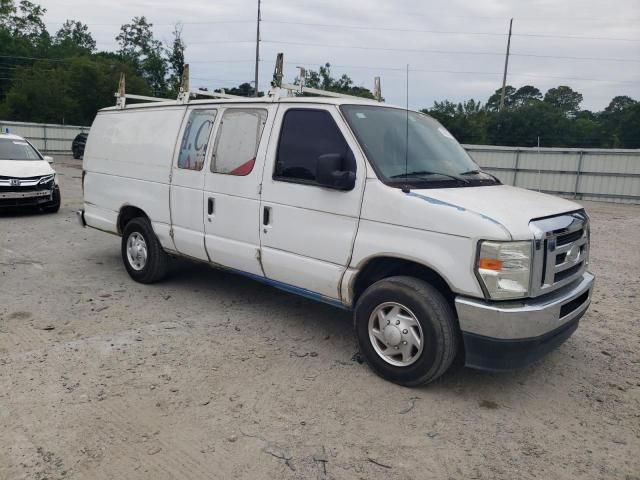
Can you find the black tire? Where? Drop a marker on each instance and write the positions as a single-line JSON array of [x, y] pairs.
[[76, 153], [54, 206], [437, 321], [157, 262]]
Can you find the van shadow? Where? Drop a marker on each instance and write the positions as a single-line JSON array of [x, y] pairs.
[[293, 312], [315, 321]]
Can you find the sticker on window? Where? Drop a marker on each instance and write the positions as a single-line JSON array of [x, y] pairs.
[[445, 133], [360, 115], [195, 139]]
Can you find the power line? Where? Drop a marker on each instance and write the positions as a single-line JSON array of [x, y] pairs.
[[367, 67], [153, 24], [449, 52], [382, 28], [445, 32], [459, 72]]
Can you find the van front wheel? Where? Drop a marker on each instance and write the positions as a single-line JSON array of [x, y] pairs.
[[406, 330], [142, 254]]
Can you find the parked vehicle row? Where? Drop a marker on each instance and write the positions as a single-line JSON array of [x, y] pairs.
[[357, 204], [78, 144]]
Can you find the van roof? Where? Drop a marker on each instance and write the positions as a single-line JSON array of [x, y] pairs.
[[259, 100]]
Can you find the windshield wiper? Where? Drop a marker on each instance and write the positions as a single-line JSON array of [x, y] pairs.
[[477, 172], [422, 173]]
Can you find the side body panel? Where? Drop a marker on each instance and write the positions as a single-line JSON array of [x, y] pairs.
[[232, 229], [308, 238], [186, 199], [127, 162]]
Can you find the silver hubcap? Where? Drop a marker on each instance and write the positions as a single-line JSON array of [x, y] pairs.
[[396, 334], [136, 251]]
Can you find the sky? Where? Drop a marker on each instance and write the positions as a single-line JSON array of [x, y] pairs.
[[455, 49]]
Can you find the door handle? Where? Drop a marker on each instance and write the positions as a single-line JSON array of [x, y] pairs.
[[266, 216], [210, 205]]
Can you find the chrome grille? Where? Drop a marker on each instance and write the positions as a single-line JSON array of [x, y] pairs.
[[16, 184], [561, 251]]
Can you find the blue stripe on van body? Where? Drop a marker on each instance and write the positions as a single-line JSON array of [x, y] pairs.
[[303, 292]]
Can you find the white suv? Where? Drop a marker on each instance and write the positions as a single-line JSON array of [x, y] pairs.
[[26, 177], [364, 206]]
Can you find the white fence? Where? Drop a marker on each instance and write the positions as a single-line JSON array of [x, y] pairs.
[[584, 174], [588, 174], [45, 137]]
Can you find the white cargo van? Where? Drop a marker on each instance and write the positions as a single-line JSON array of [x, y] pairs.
[[364, 206]]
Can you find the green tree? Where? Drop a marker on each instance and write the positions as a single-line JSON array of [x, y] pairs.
[[526, 95], [616, 123], [619, 103], [175, 56], [74, 36], [564, 99], [523, 126], [73, 91], [24, 21], [138, 46], [630, 134], [493, 104], [466, 120], [323, 80], [242, 90]]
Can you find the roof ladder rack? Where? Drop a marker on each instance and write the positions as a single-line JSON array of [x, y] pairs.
[[300, 87], [186, 93], [121, 95]]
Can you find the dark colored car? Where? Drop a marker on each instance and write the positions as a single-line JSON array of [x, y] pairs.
[[77, 146]]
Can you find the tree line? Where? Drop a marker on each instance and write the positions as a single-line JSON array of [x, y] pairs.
[[62, 77]]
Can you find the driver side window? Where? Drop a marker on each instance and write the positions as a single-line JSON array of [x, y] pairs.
[[306, 138]]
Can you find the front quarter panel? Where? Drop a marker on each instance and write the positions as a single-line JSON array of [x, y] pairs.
[[415, 227]]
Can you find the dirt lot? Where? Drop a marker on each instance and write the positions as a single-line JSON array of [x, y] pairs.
[[210, 375]]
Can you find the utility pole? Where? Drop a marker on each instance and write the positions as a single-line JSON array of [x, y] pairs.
[[255, 93], [506, 65]]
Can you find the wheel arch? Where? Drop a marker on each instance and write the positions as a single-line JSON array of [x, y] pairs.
[[128, 213], [380, 267]]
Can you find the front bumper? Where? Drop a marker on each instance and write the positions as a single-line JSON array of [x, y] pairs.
[[26, 198], [80, 217], [509, 335]]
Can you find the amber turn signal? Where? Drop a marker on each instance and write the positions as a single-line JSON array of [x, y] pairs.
[[490, 264]]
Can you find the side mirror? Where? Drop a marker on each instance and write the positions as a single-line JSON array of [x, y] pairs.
[[48, 158], [331, 173]]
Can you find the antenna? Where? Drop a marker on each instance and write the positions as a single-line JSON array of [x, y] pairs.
[[405, 187]]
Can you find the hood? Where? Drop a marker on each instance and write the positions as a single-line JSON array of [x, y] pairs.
[[511, 207], [25, 168]]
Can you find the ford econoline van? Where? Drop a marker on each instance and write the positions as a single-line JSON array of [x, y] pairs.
[[367, 207]]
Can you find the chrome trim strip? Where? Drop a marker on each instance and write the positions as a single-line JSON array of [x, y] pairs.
[[29, 194], [546, 233]]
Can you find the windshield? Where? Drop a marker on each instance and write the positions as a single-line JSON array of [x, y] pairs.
[[16, 149], [432, 156]]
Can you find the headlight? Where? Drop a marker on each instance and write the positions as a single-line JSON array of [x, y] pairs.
[[504, 268], [46, 179]]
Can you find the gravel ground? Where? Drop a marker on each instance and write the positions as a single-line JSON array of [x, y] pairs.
[[211, 375]]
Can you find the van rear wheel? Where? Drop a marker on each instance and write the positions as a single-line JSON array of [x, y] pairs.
[[406, 330], [142, 254]]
